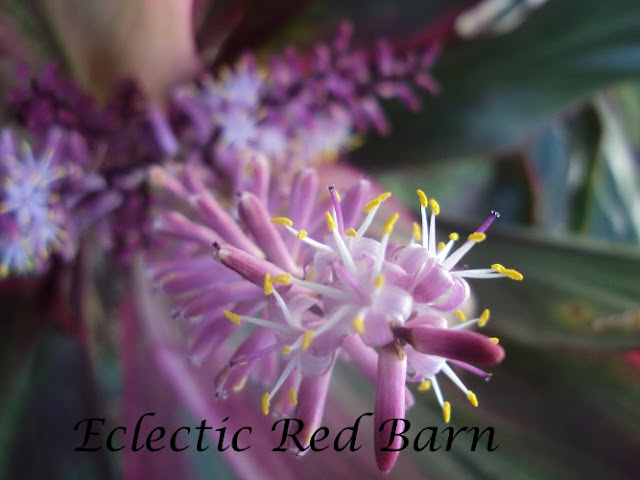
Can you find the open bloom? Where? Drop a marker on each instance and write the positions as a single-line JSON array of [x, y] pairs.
[[316, 285]]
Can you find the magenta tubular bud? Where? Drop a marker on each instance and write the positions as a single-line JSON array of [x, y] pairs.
[[461, 345], [390, 404], [258, 221], [312, 396]]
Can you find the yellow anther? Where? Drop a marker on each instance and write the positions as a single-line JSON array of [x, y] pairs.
[[266, 403], [282, 221], [417, 232], [293, 398], [286, 349], [477, 237], [440, 246], [302, 234], [331, 224], [484, 318], [376, 201], [446, 411], [351, 232], [460, 314], [358, 324], [472, 398], [310, 274], [335, 190], [454, 236], [513, 274], [306, 340], [4, 271], [268, 284], [424, 386], [234, 317], [240, 385], [284, 279], [495, 339], [498, 268], [423, 198], [379, 281], [435, 206], [388, 226], [371, 205]]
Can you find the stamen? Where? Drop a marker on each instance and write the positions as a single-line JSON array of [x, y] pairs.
[[379, 281], [495, 339], [477, 237], [460, 314], [234, 317], [484, 318], [417, 234], [388, 226], [337, 210], [302, 234], [286, 349], [424, 385], [293, 398], [306, 340], [435, 210], [472, 398], [423, 198], [268, 285], [331, 224], [358, 325], [284, 279], [446, 412], [282, 221], [454, 236], [266, 403], [351, 233], [440, 246]]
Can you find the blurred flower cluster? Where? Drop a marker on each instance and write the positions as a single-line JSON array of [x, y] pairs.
[[194, 211]]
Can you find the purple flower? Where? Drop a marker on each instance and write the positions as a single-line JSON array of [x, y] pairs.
[[317, 285]]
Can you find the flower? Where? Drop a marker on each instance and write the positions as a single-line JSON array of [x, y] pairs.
[[316, 286]]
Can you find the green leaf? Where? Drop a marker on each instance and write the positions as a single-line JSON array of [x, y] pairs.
[[496, 91]]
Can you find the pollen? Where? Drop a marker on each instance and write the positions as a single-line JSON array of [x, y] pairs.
[[513, 274], [282, 221], [435, 206], [351, 233], [293, 398], [424, 386], [495, 339], [302, 234], [388, 226], [286, 349], [234, 317], [440, 246], [472, 398], [417, 233], [446, 411], [376, 201], [306, 340], [379, 281], [460, 314], [358, 324], [240, 385], [484, 318], [423, 198], [498, 268], [268, 284], [284, 279], [331, 224], [454, 236], [265, 403], [477, 237]]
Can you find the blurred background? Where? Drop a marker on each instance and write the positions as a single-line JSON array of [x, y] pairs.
[[537, 116]]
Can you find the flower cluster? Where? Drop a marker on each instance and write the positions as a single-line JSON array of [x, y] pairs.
[[315, 284], [300, 109]]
